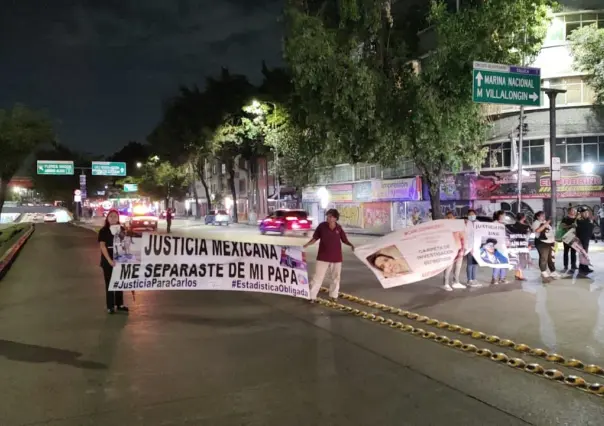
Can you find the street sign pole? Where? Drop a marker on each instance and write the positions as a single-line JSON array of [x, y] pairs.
[[552, 94], [520, 148]]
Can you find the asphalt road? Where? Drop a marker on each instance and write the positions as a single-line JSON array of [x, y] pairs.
[[210, 358]]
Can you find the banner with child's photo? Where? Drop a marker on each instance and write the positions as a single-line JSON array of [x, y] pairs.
[[414, 254], [489, 247]]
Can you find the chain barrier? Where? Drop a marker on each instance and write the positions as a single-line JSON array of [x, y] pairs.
[[522, 348], [498, 357]]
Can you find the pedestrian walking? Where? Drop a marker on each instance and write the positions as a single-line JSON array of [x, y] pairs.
[[111, 231], [471, 264], [544, 242], [499, 274], [567, 223], [329, 258], [457, 263], [169, 219]]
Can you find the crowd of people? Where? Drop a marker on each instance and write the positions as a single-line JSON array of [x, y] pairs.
[[574, 232]]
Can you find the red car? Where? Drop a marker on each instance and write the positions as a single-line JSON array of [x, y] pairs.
[[286, 221]]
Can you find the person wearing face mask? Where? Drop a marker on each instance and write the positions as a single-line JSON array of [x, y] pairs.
[[109, 233], [471, 264]]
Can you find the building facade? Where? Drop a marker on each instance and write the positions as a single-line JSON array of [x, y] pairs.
[[372, 198]]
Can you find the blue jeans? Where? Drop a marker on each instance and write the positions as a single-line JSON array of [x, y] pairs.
[[499, 274], [471, 267]]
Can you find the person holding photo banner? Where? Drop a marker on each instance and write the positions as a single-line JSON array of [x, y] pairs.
[[329, 258], [471, 264], [109, 233], [518, 247], [457, 263], [499, 274], [545, 240]]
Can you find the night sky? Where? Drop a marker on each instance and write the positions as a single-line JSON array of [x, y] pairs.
[[102, 67]]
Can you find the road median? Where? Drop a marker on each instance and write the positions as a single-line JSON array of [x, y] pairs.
[[12, 239]]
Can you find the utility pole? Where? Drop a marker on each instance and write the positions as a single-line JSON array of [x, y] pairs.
[[552, 94], [520, 148]]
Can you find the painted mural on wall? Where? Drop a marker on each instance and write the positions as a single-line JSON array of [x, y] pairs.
[[376, 216], [350, 215], [340, 193], [362, 191], [499, 186], [573, 184], [397, 189]]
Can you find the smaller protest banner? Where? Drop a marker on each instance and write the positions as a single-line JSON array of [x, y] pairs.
[[489, 246], [518, 245], [414, 254], [171, 262]]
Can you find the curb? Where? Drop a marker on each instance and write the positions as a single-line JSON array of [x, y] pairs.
[[9, 257]]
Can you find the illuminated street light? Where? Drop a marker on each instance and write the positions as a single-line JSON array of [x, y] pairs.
[[323, 195], [587, 167], [139, 165]]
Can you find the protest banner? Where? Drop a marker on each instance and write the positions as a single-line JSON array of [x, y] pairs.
[[489, 246], [518, 245], [170, 262], [414, 254]]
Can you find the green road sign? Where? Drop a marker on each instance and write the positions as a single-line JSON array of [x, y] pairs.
[[130, 187], [108, 168], [60, 168], [506, 84]]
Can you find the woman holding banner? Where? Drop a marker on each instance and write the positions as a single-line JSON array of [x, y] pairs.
[[457, 263], [471, 264], [518, 249], [544, 242], [108, 234], [499, 274]]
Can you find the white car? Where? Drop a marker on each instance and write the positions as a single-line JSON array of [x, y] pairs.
[[217, 217], [50, 217]]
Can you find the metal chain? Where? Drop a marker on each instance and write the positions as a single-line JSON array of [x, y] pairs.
[[500, 357]]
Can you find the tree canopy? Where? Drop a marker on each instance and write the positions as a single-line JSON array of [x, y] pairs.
[[22, 130], [374, 96], [587, 44]]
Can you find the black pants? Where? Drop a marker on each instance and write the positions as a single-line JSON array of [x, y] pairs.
[[585, 244], [169, 223], [112, 298], [546, 262], [568, 250]]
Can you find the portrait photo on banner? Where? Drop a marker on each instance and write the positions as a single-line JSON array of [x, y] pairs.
[[415, 253], [490, 245]]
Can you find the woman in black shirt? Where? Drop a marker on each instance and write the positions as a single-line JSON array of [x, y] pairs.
[[106, 240]]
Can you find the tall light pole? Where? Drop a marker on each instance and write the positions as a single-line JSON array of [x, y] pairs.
[[552, 94]]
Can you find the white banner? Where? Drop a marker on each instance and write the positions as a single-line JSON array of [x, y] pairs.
[[415, 253], [170, 262], [489, 247]]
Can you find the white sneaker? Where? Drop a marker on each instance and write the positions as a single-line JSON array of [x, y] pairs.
[[555, 275], [474, 284], [458, 285], [447, 287]]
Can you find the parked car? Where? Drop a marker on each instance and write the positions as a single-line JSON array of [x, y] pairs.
[[217, 217], [286, 221], [141, 220], [50, 217]]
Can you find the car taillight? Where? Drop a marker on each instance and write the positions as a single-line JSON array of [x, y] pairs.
[[303, 221], [291, 218]]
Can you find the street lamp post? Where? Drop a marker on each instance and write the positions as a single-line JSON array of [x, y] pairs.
[[552, 94]]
